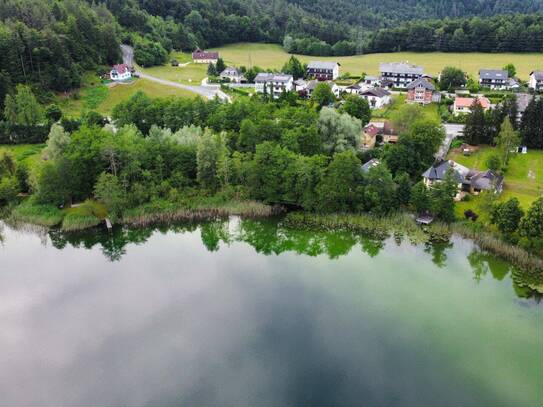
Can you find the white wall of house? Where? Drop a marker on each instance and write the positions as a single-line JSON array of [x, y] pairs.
[[115, 76], [204, 61], [376, 102]]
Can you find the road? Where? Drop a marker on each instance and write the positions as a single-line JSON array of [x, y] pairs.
[[207, 91], [451, 132]]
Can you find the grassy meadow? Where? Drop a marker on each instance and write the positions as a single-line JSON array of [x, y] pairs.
[[273, 56]]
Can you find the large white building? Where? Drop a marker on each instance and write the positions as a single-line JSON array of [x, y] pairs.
[[400, 73], [274, 83]]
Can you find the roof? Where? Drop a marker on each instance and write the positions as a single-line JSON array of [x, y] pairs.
[[377, 92], [201, 54], [374, 162], [538, 75], [468, 102], [485, 180], [231, 70], [437, 171], [523, 100], [493, 74], [401, 67], [372, 130], [121, 68], [421, 83], [371, 78], [322, 65], [273, 77], [356, 86]]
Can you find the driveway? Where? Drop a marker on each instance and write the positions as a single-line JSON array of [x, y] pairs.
[[451, 132], [207, 91]]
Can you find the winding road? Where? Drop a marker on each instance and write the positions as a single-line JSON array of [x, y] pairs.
[[207, 91]]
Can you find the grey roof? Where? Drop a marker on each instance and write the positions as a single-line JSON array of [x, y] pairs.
[[486, 180], [272, 77], [437, 171], [371, 78], [401, 67], [493, 74], [374, 162], [231, 70], [377, 92], [523, 100], [322, 65], [421, 83], [538, 75]]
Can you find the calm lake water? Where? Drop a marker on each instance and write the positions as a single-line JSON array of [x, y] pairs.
[[247, 313]]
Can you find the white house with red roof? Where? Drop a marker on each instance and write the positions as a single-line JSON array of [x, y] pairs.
[[120, 72], [464, 105]]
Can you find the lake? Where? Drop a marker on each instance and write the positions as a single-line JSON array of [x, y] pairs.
[[249, 313]]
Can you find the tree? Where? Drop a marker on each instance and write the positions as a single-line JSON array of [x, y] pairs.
[[475, 130], [420, 199], [403, 118], [451, 78], [23, 108], [403, 190], [531, 225], [442, 196], [52, 183], [507, 215], [9, 188], [211, 69], [220, 66], [338, 131], [531, 127], [493, 162], [511, 70], [380, 190], [340, 189], [53, 113], [357, 107], [110, 192], [210, 158], [57, 142], [322, 95], [294, 67], [507, 140]]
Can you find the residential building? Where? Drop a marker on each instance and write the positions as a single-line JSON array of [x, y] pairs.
[[463, 105], [233, 74], [378, 132], [496, 79], [273, 84], [523, 100], [120, 72], [536, 81], [400, 74], [376, 97], [370, 80], [423, 92], [204, 57], [353, 89], [323, 70]]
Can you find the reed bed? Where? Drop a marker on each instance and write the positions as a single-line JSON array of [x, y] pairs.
[[37, 214]]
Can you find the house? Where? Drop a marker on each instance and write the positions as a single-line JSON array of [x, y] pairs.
[[464, 105], [120, 72], [366, 167], [233, 74], [472, 181], [400, 74], [536, 81], [204, 57], [376, 97], [495, 79], [273, 83], [371, 80], [312, 84], [353, 89], [376, 132], [523, 100], [323, 71], [514, 84], [423, 92]]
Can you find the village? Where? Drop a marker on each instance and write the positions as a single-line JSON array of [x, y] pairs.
[[397, 83]]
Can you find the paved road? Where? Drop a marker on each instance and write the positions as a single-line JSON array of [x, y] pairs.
[[451, 132], [207, 91]]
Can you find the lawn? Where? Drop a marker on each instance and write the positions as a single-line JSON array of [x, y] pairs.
[[28, 153], [102, 99], [398, 101], [186, 73], [523, 178], [273, 56]]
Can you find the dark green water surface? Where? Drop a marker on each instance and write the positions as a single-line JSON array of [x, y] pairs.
[[247, 313]]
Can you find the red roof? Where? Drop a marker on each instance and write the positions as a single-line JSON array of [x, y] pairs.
[[371, 130], [468, 102], [201, 54], [121, 68]]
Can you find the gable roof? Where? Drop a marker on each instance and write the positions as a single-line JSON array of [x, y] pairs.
[[486, 180], [121, 68], [468, 102], [421, 83], [538, 75], [231, 70], [201, 54], [273, 77], [496, 74], [438, 171], [374, 162], [322, 65], [377, 92], [401, 67]]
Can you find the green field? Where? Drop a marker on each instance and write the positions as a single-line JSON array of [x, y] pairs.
[[28, 153], [101, 98], [186, 73], [523, 178], [273, 56]]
